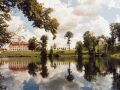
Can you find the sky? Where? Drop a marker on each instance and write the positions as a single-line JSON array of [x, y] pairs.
[[77, 16]]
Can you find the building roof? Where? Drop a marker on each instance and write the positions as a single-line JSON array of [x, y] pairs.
[[18, 43], [1, 49]]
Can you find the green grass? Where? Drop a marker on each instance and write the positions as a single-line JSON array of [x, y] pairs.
[[20, 53], [116, 55], [63, 53]]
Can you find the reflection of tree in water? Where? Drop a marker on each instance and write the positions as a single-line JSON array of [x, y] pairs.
[[51, 58], [116, 81], [69, 77], [79, 64], [90, 70], [33, 68], [112, 68], [2, 87], [52, 62], [95, 67], [44, 70]]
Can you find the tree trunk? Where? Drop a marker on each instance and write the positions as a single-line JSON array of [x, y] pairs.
[[69, 46]]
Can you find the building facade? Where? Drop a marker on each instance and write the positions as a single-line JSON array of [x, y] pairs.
[[18, 46]]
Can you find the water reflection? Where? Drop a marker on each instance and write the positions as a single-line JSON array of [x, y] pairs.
[[81, 73], [69, 77]]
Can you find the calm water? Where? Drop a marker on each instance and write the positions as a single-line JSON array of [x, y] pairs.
[[59, 74]]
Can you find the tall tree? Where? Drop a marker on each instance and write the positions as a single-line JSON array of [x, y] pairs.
[[101, 42], [4, 16], [79, 47], [37, 13], [115, 32], [32, 43], [90, 41], [44, 39], [68, 35]]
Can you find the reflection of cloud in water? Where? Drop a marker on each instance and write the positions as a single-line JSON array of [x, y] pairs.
[[60, 83], [56, 81], [30, 85]]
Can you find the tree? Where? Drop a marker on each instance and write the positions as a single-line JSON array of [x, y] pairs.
[[54, 46], [102, 43], [90, 42], [115, 32], [37, 13], [44, 39], [68, 35], [4, 16], [32, 43], [79, 47]]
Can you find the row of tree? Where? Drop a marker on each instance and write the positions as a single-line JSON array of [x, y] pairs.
[[93, 44]]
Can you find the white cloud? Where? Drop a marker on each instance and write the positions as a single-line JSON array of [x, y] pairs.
[[112, 3], [117, 19], [78, 19], [99, 26], [88, 8]]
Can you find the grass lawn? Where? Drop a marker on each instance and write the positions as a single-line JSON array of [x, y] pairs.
[[116, 55], [20, 53], [63, 53]]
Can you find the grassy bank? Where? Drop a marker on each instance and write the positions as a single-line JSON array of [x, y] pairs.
[[20, 53], [62, 53], [35, 53], [115, 55]]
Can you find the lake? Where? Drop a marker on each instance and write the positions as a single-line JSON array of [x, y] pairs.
[[68, 73]]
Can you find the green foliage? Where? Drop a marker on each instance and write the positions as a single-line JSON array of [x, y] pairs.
[[32, 43], [115, 32], [44, 39], [79, 47], [37, 13], [90, 41], [68, 35], [20, 53], [4, 16]]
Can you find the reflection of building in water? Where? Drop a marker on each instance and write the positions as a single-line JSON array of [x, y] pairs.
[[63, 48], [23, 65], [15, 46], [61, 63], [16, 65]]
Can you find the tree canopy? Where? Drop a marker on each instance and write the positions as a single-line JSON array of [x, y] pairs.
[[32, 43], [79, 47], [115, 32], [33, 10], [37, 13], [68, 35], [44, 39], [90, 41], [4, 16]]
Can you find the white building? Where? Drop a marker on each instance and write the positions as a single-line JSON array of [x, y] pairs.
[[19, 46]]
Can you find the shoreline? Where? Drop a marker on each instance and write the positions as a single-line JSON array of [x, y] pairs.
[[37, 54]]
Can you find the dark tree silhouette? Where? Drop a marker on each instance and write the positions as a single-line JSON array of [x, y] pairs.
[[68, 35], [32, 43], [69, 77], [79, 47], [90, 42], [4, 16]]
